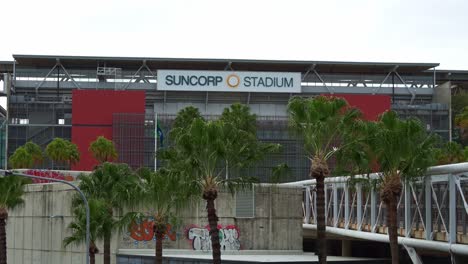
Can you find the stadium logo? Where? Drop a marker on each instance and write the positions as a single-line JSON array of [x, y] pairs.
[[233, 81]]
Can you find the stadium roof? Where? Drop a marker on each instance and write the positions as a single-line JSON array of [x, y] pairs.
[[6, 66], [223, 64]]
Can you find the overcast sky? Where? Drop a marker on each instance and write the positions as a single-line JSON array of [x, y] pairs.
[[398, 31]]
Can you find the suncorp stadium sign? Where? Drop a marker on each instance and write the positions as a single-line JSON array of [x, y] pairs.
[[229, 81]]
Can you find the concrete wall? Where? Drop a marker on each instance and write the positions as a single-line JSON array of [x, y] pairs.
[[442, 94], [36, 230]]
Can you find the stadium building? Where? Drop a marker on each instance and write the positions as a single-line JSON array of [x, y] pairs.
[[80, 98]]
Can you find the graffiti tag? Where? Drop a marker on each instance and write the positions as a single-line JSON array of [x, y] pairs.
[[143, 231], [201, 240]]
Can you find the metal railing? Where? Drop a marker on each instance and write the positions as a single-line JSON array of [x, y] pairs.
[[431, 211]]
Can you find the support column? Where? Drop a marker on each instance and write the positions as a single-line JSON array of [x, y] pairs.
[[407, 209], [373, 209], [326, 202], [346, 204], [307, 205], [428, 206], [452, 210], [413, 255], [358, 206], [346, 248], [335, 205]]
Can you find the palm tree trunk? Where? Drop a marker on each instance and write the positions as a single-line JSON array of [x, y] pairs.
[[392, 228], [321, 235], [158, 259], [92, 254], [214, 232], [107, 245], [318, 171], [3, 242], [390, 192]]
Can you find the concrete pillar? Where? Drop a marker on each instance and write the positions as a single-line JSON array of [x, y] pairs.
[[346, 248]]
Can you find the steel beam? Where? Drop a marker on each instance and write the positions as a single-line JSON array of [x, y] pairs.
[[452, 210], [428, 207], [335, 205], [407, 191], [47, 75], [358, 205], [413, 255], [307, 205], [373, 209], [412, 242], [69, 76], [346, 205], [134, 75], [413, 94]]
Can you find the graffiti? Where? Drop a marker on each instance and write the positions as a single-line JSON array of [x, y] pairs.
[[49, 174], [142, 232], [201, 240]]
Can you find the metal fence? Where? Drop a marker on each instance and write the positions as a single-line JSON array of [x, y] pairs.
[[432, 209], [134, 136]]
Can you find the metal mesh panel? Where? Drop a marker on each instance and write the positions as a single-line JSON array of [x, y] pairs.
[[134, 137]]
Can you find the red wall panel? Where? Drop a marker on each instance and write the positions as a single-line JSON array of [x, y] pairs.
[[92, 116], [370, 105], [82, 136]]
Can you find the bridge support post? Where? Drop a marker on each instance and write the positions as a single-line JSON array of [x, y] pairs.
[[327, 200], [413, 255], [452, 210], [407, 209], [428, 206], [335, 205], [373, 208], [346, 206], [346, 248], [307, 205], [358, 206]]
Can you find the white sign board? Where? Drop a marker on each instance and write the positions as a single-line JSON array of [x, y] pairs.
[[229, 81]]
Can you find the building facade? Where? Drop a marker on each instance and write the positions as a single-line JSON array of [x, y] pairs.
[[79, 98]]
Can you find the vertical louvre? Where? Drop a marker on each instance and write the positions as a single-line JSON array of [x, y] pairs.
[[245, 203]]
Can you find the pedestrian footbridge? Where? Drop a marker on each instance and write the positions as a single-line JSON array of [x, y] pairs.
[[432, 212]]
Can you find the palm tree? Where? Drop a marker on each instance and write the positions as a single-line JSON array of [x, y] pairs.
[[103, 150], [35, 151], [239, 115], [99, 220], [164, 192], [451, 152], [322, 122], [403, 151], [11, 192], [26, 156], [116, 185], [197, 151], [21, 158], [240, 129], [62, 150], [185, 117]]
